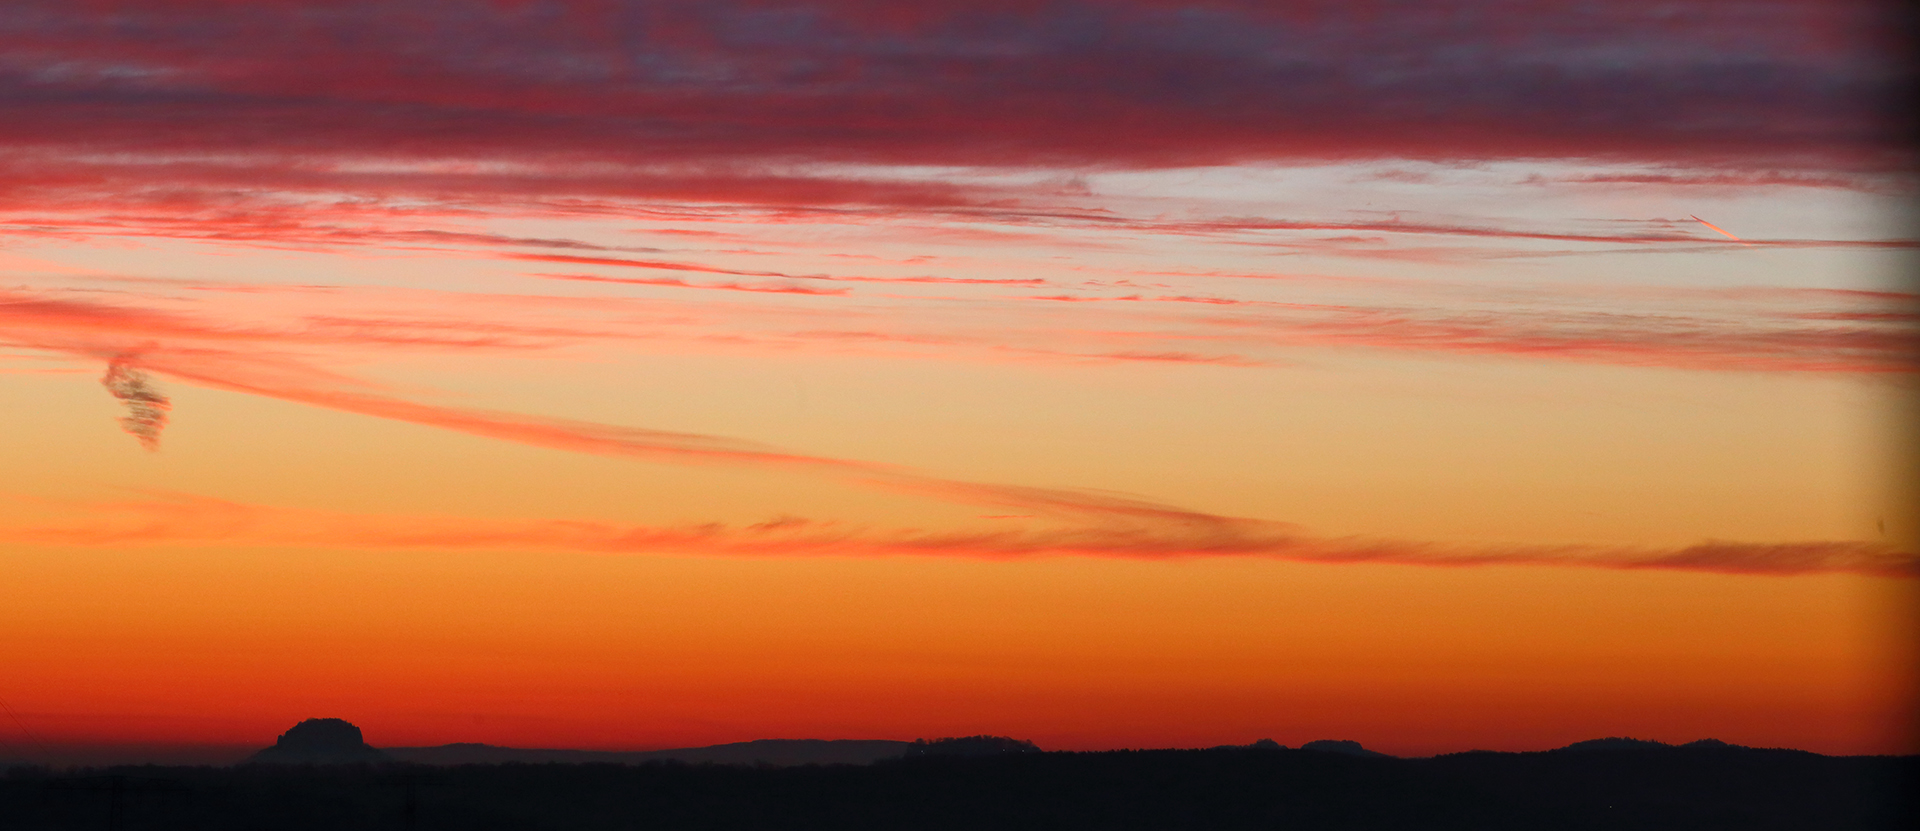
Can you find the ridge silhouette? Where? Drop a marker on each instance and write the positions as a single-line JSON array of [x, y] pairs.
[[1602, 785], [778, 752], [332, 741]]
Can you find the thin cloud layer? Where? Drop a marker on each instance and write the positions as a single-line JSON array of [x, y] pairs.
[[1095, 523], [249, 341], [1149, 533]]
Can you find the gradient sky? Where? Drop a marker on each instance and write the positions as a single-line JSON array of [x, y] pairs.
[[607, 374]]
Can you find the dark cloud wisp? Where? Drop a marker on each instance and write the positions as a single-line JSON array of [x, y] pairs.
[[147, 406]]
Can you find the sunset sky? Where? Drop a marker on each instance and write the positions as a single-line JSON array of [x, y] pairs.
[[611, 374]]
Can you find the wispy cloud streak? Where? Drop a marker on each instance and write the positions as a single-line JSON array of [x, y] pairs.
[[758, 288], [287, 380], [1149, 533]]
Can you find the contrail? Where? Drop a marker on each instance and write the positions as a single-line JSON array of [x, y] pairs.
[[1723, 231], [147, 406]]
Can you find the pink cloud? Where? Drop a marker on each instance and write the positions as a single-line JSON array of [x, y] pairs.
[[762, 288]]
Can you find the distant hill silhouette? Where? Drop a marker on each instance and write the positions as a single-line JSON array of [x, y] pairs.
[[777, 752], [970, 746], [1258, 744], [334, 741], [1617, 743], [1350, 748], [320, 741]]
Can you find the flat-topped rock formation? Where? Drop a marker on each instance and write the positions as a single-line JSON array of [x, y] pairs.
[[320, 741]]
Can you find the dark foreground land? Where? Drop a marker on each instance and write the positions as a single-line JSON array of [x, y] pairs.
[[1228, 788]]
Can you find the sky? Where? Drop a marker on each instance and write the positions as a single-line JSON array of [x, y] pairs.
[[589, 373]]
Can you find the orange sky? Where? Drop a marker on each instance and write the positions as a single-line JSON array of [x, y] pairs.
[[622, 652], [1456, 440]]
